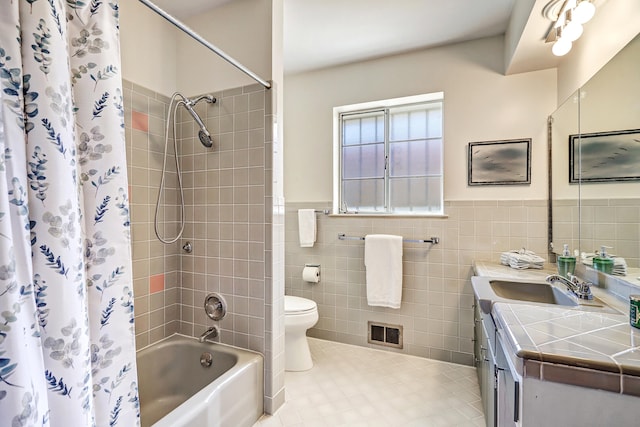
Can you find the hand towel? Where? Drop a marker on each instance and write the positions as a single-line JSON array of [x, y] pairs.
[[383, 262], [307, 227], [521, 259]]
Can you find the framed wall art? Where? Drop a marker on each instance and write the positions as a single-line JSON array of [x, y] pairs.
[[500, 162], [605, 156]]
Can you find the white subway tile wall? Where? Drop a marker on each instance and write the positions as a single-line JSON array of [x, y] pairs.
[[437, 299]]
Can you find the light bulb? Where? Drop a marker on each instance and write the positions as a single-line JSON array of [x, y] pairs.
[[572, 31], [583, 12], [561, 47]]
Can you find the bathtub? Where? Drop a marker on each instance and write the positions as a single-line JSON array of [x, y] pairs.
[[177, 391]]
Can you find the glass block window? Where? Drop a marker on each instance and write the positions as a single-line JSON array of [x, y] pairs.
[[390, 159]]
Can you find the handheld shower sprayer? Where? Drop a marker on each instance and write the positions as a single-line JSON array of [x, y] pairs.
[[203, 134], [205, 139]]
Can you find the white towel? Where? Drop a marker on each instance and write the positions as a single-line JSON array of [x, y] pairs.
[[383, 262], [521, 259], [307, 227]]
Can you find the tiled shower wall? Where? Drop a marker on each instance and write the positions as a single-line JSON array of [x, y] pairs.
[[436, 312], [229, 213], [226, 216], [156, 267]]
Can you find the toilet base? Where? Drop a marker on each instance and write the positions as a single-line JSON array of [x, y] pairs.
[[297, 353]]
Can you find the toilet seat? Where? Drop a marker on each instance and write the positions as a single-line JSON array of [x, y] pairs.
[[296, 305]]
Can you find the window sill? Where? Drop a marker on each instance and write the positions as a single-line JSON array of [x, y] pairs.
[[372, 215]]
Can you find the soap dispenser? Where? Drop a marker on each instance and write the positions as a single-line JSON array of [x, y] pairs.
[[603, 262], [566, 263]]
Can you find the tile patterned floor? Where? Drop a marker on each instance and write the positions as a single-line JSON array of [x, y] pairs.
[[356, 386]]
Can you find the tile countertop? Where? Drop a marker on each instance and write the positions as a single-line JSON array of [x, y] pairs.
[[567, 344]]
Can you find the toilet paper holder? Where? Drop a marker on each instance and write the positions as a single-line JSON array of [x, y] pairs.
[[311, 273]]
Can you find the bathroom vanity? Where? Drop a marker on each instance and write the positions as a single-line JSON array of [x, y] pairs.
[[545, 358]]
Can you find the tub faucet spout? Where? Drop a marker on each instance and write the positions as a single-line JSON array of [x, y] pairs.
[[211, 332]]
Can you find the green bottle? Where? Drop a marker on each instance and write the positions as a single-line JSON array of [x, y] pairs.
[[603, 262], [566, 263]]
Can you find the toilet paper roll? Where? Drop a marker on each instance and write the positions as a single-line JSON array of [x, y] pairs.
[[311, 274]]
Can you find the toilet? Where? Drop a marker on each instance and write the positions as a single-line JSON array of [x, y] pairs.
[[300, 314]]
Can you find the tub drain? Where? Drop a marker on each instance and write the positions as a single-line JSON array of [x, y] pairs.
[[206, 359]]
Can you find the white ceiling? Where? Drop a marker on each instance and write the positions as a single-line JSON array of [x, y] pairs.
[[321, 33]]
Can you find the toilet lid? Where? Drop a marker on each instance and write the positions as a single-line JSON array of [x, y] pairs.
[[297, 305]]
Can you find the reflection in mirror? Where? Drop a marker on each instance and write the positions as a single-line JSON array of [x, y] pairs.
[[565, 198], [603, 210]]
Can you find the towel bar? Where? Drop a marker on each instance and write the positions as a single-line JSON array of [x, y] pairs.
[[432, 240], [323, 211]]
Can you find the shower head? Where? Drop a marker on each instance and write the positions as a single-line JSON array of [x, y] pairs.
[[203, 134], [205, 138]]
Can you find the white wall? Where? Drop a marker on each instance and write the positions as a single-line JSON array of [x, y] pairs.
[[609, 101], [481, 104], [158, 56], [615, 24], [277, 73], [147, 48], [242, 29]]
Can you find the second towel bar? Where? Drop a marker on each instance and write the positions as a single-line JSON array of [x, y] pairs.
[[432, 240]]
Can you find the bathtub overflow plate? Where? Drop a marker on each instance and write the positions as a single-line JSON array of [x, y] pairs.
[[215, 306], [206, 359]]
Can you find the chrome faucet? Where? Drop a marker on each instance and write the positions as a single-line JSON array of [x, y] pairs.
[[580, 289], [211, 332]]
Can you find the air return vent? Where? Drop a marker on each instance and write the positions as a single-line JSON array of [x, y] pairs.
[[385, 334]]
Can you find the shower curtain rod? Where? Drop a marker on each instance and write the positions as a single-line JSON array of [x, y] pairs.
[[205, 43]]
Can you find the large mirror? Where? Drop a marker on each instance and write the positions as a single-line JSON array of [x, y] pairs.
[[595, 164]]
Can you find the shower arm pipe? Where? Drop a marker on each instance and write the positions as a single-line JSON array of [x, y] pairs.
[[205, 43]]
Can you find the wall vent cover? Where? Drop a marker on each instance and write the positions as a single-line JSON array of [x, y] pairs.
[[384, 334]]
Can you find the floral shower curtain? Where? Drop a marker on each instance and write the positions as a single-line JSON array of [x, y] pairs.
[[67, 351]]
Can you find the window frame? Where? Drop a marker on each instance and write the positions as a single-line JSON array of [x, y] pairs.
[[383, 106]]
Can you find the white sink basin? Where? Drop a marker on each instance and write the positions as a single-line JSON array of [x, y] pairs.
[[491, 290], [531, 292]]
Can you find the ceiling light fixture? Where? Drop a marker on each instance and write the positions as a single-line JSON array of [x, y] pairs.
[[584, 11], [562, 45], [568, 18], [572, 30]]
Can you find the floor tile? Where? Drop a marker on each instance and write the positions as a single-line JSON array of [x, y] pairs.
[[357, 386]]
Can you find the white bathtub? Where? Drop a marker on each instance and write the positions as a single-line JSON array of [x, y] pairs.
[[177, 391]]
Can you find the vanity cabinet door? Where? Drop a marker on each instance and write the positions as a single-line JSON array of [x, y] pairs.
[[507, 389], [477, 341], [488, 384], [485, 362]]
